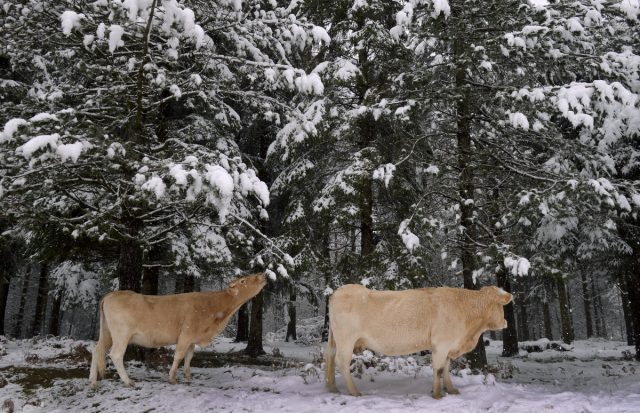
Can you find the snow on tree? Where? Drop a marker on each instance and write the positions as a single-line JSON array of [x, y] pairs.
[[123, 140]]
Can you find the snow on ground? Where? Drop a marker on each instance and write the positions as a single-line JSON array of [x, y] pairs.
[[592, 377]]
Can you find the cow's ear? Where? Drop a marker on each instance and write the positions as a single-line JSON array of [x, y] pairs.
[[504, 297]]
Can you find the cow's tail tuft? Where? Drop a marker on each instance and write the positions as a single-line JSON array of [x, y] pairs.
[[99, 358], [330, 363]]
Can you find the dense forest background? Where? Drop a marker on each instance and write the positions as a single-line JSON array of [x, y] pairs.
[[167, 146]]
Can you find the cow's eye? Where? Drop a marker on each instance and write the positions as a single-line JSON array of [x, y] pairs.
[[243, 281]]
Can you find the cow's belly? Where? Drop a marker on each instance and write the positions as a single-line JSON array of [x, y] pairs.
[[395, 345], [153, 339]]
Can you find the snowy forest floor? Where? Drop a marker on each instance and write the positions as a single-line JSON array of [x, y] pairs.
[[51, 375]]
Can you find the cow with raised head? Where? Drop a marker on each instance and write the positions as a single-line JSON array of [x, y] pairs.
[[447, 321], [154, 321]]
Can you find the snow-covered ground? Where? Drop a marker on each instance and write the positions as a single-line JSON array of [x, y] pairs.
[[592, 377]]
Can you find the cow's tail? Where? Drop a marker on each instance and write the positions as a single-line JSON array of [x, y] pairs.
[[99, 358], [330, 363]]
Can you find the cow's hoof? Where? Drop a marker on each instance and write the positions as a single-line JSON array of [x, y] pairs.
[[173, 381], [332, 389], [93, 386], [437, 396], [453, 391], [131, 384], [356, 394]]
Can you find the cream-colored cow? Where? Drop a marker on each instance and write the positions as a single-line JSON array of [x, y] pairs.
[[154, 321], [447, 321]]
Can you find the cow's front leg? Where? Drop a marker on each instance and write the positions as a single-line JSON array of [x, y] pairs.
[[438, 362], [447, 379], [181, 350]]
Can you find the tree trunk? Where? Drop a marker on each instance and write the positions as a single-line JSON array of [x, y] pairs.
[[597, 305], [41, 301], [130, 265], [150, 281], [587, 303], [546, 314], [291, 308], [634, 295], [254, 345], [56, 309], [510, 334], [242, 334], [625, 287], [366, 219], [596, 310], [523, 317], [189, 283], [565, 312], [23, 301], [5, 282]]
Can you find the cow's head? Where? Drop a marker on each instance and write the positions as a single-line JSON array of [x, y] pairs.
[[496, 299], [247, 287]]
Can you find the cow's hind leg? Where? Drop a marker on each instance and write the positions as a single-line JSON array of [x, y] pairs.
[[187, 362], [181, 349], [344, 351], [438, 362], [330, 364], [117, 356], [447, 379]]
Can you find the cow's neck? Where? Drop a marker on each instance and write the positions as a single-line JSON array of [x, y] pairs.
[[225, 302], [477, 325]]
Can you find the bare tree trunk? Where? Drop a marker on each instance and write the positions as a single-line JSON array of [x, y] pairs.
[[524, 320], [291, 308], [546, 314], [509, 334], [23, 301], [243, 324], [596, 314], [189, 283], [41, 300], [150, 281], [56, 309], [587, 303], [254, 345], [130, 265], [599, 310], [625, 287], [5, 282], [565, 311]]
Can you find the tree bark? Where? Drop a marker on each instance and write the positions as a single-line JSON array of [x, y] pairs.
[[254, 345], [625, 287], [130, 265], [546, 314], [242, 334], [56, 309], [5, 282], [596, 310], [523, 317], [41, 301], [634, 295], [599, 309], [23, 301], [509, 334], [150, 281], [565, 311], [587, 303], [291, 308]]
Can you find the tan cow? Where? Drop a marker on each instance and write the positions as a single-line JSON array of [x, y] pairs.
[[155, 321], [447, 321]]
